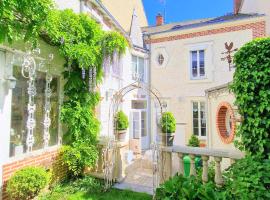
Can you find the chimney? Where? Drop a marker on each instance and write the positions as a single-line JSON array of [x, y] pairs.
[[237, 6], [159, 20]]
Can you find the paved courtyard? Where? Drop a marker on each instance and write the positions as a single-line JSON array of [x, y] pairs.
[[139, 175]]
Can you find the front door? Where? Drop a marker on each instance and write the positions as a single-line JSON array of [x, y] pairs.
[[139, 132]]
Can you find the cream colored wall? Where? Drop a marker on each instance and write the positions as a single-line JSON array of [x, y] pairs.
[[122, 11], [214, 139], [173, 81], [213, 104], [258, 6]]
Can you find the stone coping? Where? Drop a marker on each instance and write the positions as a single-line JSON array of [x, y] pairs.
[[224, 153]]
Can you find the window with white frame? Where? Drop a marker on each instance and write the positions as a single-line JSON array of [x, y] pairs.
[[18, 132], [197, 64], [138, 68], [199, 118]]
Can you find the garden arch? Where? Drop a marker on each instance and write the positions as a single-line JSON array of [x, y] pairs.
[[109, 158]]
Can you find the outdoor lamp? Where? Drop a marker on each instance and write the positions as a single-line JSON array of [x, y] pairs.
[[11, 80]]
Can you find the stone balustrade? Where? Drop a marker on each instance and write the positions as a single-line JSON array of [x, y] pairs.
[[206, 154]]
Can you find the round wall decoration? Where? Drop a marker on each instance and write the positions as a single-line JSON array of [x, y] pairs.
[[160, 59], [225, 122]]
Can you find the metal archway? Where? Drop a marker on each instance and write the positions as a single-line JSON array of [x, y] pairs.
[[110, 150]]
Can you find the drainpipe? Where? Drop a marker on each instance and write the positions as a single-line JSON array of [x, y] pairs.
[[82, 2], [150, 129]]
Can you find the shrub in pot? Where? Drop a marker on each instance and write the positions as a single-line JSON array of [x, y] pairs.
[[27, 183], [121, 125], [168, 126]]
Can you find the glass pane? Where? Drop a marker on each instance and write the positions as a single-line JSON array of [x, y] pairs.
[[54, 114], [141, 69], [195, 123], [203, 131], [202, 64], [136, 125], [18, 114], [194, 64], [134, 67], [195, 110], [196, 131], [39, 114], [143, 124]]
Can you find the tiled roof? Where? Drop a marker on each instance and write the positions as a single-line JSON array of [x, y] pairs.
[[198, 23]]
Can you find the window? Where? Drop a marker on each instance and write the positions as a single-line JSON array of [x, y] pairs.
[[198, 64], [199, 118], [138, 68], [225, 122], [19, 113]]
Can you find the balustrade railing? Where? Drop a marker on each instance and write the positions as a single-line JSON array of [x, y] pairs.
[[206, 154]]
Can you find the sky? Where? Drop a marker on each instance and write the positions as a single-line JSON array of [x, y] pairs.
[[182, 10]]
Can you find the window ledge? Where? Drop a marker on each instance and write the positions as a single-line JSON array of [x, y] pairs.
[[33, 153]]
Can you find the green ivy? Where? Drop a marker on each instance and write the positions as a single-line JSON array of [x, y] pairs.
[[251, 86], [22, 19], [83, 44]]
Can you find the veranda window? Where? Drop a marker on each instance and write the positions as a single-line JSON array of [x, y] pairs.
[[199, 118], [18, 131]]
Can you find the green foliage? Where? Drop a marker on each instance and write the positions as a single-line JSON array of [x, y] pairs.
[[22, 19], [84, 45], [77, 157], [121, 121], [248, 178], [168, 122], [27, 183], [180, 187], [194, 141], [90, 188], [251, 88]]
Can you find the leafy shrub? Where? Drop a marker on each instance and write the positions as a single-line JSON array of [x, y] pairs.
[[27, 183], [248, 178], [77, 157], [180, 187], [251, 85], [168, 123], [194, 141], [121, 121]]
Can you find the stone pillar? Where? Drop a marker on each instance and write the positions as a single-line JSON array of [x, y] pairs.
[[218, 175], [192, 165], [205, 169], [181, 163], [166, 166]]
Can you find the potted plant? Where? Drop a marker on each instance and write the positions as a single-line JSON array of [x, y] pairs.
[[121, 125], [168, 126]]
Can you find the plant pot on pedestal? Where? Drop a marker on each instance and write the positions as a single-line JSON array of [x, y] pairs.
[[168, 127], [121, 135], [167, 139]]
